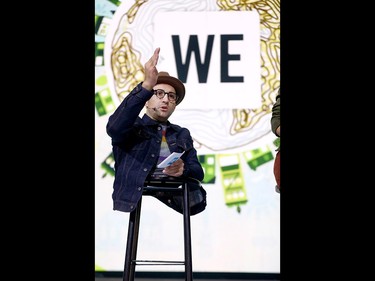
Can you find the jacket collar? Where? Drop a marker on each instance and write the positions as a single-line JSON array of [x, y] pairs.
[[151, 122]]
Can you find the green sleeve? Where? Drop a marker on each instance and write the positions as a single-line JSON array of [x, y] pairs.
[[275, 118]]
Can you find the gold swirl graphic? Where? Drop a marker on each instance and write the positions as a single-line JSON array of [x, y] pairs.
[[269, 13], [134, 10], [127, 70]]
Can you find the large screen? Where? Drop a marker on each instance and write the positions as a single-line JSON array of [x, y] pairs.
[[227, 54]]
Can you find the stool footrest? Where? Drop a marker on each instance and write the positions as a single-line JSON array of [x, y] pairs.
[[152, 190], [151, 262]]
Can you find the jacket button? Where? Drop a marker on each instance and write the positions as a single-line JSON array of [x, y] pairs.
[[139, 188], [152, 155], [145, 169]]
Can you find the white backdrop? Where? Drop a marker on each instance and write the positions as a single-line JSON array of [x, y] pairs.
[[229, 121]]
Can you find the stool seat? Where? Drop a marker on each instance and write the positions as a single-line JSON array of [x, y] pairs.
[[151, 187]]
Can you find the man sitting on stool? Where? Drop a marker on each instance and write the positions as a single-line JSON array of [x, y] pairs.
[[140, 144]]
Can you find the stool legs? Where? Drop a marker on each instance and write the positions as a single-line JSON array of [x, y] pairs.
[[132, 243], [187, 234], [132, 239]]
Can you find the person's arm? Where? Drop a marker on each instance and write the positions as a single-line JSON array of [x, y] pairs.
[[275, 118], [122, 120], [188, 165], [193, 167]]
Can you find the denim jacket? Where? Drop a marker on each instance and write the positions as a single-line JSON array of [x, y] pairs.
[[136, 145]]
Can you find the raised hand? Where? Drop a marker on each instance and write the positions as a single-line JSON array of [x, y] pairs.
[[151, 72]]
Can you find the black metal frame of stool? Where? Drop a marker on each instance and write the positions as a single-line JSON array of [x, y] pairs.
[[170, 184]]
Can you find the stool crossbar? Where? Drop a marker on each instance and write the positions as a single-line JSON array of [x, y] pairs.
[[169, 184]]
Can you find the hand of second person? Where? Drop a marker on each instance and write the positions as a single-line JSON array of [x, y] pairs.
[[151, 72], [176, 169]]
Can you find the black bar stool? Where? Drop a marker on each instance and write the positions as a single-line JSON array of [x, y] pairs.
[[169, 184]]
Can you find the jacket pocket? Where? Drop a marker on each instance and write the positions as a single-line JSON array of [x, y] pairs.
[[184, 145]]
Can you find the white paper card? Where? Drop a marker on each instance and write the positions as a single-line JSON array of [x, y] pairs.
[[170, 159]]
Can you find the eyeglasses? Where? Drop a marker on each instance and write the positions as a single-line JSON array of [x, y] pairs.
[[172, 97]]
